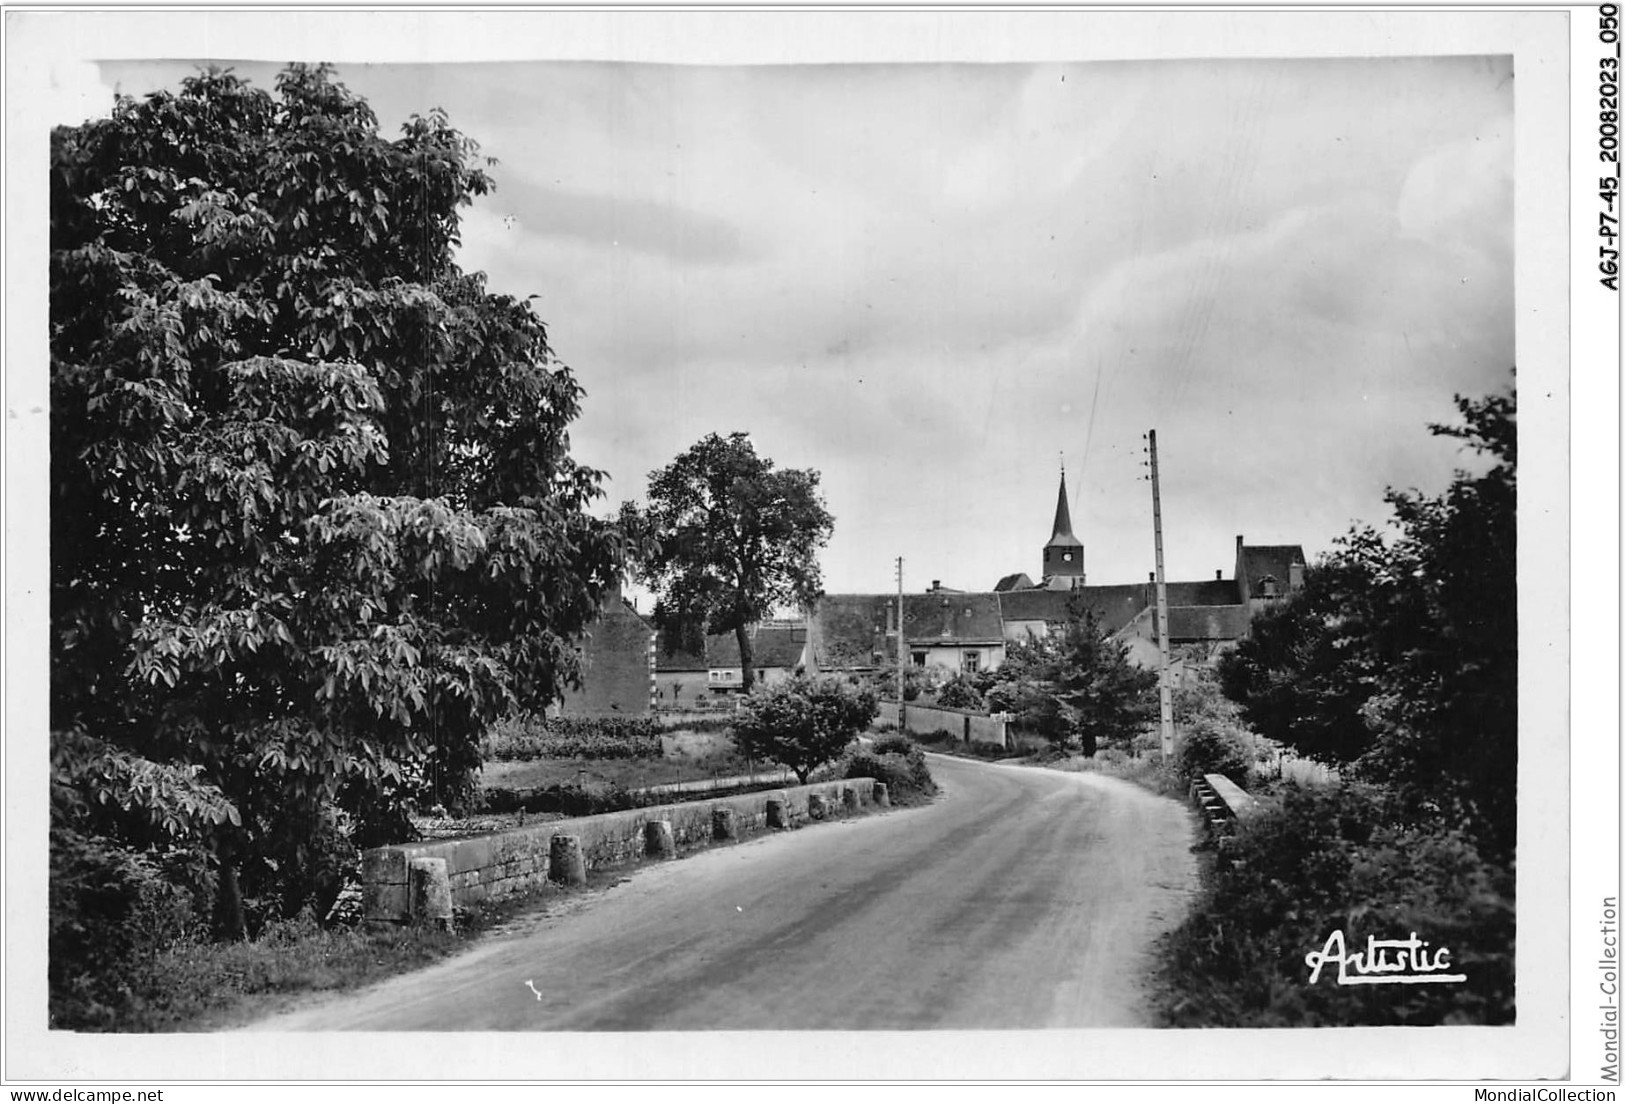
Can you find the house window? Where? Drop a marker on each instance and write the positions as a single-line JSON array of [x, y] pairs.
[[919, 659], [1268, 587], [972, 662]]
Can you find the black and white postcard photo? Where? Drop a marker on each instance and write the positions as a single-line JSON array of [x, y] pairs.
[[791, 545]]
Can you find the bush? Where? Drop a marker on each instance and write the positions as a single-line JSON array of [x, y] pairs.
[[959, 692], [1323, 860], [691, 723], [111, 907], [907, 777], [525, 736], [892, 743], [1208, 746], [802, 722]]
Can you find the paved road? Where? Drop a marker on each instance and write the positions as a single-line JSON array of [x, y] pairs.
[[1022, 898]]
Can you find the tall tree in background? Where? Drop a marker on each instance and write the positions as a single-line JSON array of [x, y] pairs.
[[314, 520], [731, 538], [1400, 655]]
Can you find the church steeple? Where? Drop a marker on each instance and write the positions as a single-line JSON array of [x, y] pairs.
[[1063, 555]]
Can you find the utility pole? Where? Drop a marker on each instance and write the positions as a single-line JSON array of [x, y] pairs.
[[902, 650], [1164, 691]]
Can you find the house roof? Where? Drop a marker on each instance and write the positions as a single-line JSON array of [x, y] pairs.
[[1259, 560], [678, 660], [1113, 606], [1186, 623], [952, 618], [848, 629], [770, 645], [1204, 592]]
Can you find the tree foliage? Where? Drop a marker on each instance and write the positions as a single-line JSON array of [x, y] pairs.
[[802, 722], [314, 520], [1075, 686], [1399, 656], [729, 538]]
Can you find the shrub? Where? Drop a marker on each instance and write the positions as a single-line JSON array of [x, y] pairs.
[[907, 777], [1322, 860], [959, 692], [892, 743], [525, 736], [691, 723], [111, 907], [1208, 746], [802, 722]]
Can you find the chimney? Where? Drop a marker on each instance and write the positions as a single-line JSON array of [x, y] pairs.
[[1295, 576], [1151, 577], [1218, 574], [936, 584]]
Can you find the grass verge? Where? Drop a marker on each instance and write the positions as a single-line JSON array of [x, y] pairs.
[[202, 986]]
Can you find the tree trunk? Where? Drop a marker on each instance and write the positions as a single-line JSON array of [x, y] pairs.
[[747, 676], [229, 922]]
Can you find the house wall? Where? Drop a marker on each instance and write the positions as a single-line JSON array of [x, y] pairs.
[[617, 667], [733, 678], [952, 656], [675, 688]]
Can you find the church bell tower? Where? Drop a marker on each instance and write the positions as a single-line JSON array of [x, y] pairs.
[[1063, 555]]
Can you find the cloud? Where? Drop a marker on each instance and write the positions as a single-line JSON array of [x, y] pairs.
[[74, 92], [618, 221]]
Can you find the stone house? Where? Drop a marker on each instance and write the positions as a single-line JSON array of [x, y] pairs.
[[617, 664]]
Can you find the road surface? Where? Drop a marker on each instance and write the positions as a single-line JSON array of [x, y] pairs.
[[1022, 898]]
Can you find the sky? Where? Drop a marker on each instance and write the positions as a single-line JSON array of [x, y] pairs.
[[936, 283]]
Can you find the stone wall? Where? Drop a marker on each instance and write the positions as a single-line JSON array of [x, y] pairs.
[[516, 861], [964, 725]]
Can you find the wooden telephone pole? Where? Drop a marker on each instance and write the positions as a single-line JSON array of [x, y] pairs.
[[1164, 691], [902, 650]]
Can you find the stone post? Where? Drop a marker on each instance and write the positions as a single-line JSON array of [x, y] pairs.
[[657, 840], [722, 824], [565, 864], [776, 812], [430, 891], [882, 794]]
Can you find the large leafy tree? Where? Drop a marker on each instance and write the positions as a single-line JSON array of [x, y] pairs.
[[314, 520], [730, 539], [1399, 657]]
